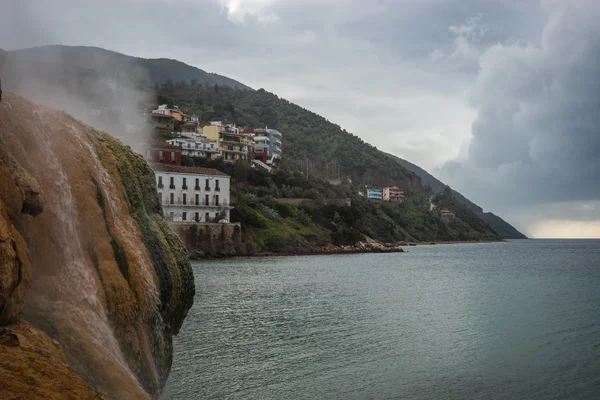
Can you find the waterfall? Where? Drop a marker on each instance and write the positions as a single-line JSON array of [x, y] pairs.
[[78, 304]]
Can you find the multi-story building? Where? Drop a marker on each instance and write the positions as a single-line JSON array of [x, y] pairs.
[[196, 147], [161, 152], [190, 129], [193, 194], [261, 148], [275, 145], [234, 144], [447, 215], [174, 112], [393, 193], [375, 194]]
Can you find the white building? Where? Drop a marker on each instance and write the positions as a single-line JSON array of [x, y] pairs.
[[162, 109], [192, 194], [196, 147]]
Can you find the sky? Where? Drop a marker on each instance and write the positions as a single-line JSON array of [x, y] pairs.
[[500, 99]]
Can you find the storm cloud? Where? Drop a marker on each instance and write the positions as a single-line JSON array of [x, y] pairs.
[[497, 98], [536, 139]]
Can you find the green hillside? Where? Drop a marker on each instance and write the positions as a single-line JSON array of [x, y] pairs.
[[313, 149], [60, 63], [503, 228]]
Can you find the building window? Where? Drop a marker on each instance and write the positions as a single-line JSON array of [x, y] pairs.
[[171, 183], [217, 185], [197, 199], [172, 198], [207, 185], [206, 217], [171, 216], [160, 183], [184, 217], [160, 197], [216, 200], [197, 184], [173, 156], [184, 198], [197, 219], [206, 200], [184, 183], [161, 157]]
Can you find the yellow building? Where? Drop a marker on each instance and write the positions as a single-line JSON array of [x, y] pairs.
[[211, 133], [177, 115], [233, 144]]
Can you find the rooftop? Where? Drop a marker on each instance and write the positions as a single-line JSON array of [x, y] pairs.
[[162, 145], [158, 115], [186, 170]]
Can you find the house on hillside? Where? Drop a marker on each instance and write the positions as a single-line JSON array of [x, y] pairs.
[[261, 148], [193, 194], [393, 193], [162, 153], [234, 144], [164, 122], [196, 147], [275, 145], [374, 194], [189, 129], [447, 215]]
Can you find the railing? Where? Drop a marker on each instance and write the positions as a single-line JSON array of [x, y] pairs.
[[171, 186], [184, 187], [217, 189], [192, 203], [197, 188], [160, 186]]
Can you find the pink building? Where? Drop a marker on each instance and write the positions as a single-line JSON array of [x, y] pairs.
[[393, 193]]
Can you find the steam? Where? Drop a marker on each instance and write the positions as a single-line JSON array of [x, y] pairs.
[[103, 89]]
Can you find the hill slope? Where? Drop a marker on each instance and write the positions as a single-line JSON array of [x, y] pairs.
[[106, 64], [503, 228], [311, 143]]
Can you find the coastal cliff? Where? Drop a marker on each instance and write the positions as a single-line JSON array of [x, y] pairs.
[[93, 282]]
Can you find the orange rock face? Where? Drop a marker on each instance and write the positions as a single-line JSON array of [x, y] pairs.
[[80, 222]]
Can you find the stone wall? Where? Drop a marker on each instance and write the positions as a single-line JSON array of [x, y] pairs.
[[208, 240]]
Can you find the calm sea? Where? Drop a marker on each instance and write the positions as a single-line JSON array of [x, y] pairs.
[[516, 320]]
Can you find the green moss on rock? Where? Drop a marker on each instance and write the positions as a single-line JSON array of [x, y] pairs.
[[167, 252]]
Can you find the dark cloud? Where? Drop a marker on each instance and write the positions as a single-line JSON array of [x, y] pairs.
[[536, 138], [408, 76]]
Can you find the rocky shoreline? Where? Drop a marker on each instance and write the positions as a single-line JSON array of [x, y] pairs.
[[363, 247]]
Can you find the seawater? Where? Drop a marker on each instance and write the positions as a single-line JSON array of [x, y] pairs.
[[513, 320]]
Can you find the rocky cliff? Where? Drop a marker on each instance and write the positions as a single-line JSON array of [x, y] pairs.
[[93, 283]]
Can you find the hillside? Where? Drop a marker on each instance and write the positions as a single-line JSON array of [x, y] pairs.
[[95, 87], [503, 228], [68, 60]]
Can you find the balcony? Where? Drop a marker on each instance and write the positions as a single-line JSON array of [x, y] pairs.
[[171, 186], [184, 187], [192, 203], [160, 186], [207, 188], [197, 188], [217, 189], [243, 150]]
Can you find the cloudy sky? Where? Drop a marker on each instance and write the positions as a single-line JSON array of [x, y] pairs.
[[498, 98]]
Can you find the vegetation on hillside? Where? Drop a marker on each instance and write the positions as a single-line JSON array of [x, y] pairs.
[[285, 211]]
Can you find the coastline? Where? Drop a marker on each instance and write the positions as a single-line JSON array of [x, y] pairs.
[[331, 249]]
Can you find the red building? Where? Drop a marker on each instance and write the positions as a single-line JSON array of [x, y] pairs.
[[261, 154], [163, 153]]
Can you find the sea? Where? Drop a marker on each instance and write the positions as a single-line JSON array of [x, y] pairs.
[[511, 320]]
